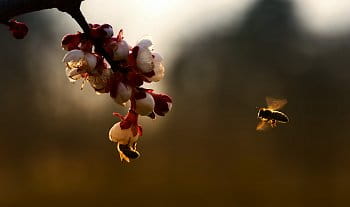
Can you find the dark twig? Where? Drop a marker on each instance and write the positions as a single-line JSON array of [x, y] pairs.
[[75, 12], [12, 8]]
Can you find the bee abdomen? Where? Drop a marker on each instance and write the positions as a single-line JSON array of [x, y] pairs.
[[129, 152], [279, 116]]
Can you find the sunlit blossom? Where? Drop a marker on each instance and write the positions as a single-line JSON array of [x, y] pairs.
[[145, 104], [78, 64], [112, 66]]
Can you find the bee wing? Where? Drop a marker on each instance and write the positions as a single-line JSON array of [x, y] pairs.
[[275, 104], [262, 125]]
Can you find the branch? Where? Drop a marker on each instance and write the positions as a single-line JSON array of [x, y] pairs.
[[12, 8]]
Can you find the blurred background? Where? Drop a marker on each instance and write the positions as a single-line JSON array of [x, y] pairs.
[[222, 59]]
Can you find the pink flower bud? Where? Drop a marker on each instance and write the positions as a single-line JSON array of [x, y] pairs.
[[108, 30], [19, 30], [101, 31], [163, 104], [71, 41]]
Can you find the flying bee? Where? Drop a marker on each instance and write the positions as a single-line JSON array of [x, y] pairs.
[[127, 152], [270, 116]]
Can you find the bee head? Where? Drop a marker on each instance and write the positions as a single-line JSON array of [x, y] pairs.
[[264, 113], [260, 111]]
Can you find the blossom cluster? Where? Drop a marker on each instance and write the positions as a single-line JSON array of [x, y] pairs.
[[111, 66]]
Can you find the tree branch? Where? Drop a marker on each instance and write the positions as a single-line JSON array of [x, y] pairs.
[[12, 8]]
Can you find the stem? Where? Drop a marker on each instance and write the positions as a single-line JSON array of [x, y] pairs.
[[75, 12], [12, 8]]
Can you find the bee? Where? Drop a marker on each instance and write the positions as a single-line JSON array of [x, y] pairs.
[[270, 116], [128, 152]]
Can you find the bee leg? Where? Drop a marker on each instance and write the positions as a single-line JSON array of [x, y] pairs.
[[134, 146], [121, 148], [273, 123], [270, 122]]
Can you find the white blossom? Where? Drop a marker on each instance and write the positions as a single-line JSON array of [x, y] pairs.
[[123, 93], [145, 106], [159, 70], [122, 136], [121, 51], [144, 60], [100, 81], [145, 43], [79, 63]]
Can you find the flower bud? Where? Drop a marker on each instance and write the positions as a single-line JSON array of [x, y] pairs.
[[101, 31], [123, 93], [108, 30], [163, 104], [145, 104], [121, 51], [19, 30], [70, 42], [144, 60]]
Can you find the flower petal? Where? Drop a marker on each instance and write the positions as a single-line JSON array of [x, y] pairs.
[[73, 74], [144, 60], [145, 43], [73, 55], [123, 93], [122, 136], [122, 51], [157, 57], [145, 105], [91, 60]]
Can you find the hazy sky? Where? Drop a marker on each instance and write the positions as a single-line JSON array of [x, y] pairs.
[[324, 17], [167, 22]]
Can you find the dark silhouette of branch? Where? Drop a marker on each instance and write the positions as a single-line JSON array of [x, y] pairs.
[[12, 8]]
